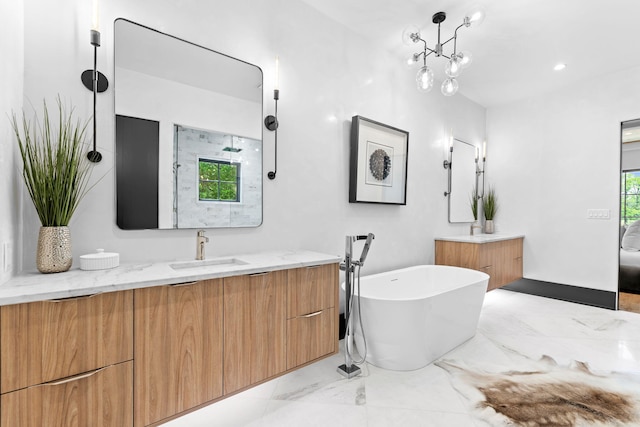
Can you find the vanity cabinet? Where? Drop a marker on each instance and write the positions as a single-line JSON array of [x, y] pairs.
[[67, 362], [501, 258], [312, 327], [178, 348], [141, 357], [254, 334]]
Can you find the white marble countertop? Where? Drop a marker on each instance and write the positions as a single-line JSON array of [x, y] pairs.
[[481, 238], [35, 286]]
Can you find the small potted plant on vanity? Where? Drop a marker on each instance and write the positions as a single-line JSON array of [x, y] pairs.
[[56, 173], [473, 202], [490, 208]]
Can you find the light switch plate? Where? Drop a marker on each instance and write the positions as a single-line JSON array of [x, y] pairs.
[[598, 214]]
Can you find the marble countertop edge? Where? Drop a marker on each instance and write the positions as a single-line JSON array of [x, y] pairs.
[[35, 286], [481, 238]]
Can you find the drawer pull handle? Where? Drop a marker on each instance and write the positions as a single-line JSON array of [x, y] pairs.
[[80, 297], [177, 285], [75, 378], [259, 274], [313, 266], [312, 314]]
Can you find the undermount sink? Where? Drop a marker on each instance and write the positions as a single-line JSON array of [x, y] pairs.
[[221, 262]]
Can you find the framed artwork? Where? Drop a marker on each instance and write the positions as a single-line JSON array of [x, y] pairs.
[[378, 164]]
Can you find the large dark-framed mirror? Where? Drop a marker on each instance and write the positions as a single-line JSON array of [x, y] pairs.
[[188, 133]]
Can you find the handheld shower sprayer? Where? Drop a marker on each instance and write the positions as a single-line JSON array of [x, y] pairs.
[[365, 250]]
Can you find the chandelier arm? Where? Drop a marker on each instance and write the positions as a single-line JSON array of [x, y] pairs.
[[452, 38], [426, 48], [455, 37]]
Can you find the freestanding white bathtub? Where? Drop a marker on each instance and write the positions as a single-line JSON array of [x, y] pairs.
[[415, 315]]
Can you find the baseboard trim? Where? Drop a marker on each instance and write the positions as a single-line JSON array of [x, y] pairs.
[[586, 296]]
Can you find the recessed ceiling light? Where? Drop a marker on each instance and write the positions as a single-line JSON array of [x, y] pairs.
[[559, 67]]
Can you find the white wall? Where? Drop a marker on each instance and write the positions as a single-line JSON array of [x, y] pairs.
[[551, 158], [327, 75], [11, 86]]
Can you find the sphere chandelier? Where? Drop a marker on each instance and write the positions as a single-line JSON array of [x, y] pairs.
[[456, 61]]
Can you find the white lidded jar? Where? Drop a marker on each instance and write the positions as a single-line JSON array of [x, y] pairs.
[[100, 260]]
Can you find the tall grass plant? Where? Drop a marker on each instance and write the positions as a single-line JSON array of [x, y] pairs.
[[55, 168]]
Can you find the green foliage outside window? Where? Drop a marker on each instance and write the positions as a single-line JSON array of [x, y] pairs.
[[219, 181], [630, 197]]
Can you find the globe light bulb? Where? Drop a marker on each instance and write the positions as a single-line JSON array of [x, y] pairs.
[[449, 87], [413, 60], [465, 58], [474, 18], [453, 67], [424, 79]]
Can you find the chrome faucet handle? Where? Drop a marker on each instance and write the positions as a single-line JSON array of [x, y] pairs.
[[201, 239]]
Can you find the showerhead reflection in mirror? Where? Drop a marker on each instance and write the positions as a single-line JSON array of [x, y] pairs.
[[380, 164]]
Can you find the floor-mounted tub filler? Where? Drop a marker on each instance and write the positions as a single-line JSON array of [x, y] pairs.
[[351, 266], [415, 315]]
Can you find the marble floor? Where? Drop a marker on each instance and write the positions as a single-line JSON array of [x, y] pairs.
[[533, 362]]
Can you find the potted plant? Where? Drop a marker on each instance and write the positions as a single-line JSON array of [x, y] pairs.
[[473, 202], [56, 173], [490, 208]]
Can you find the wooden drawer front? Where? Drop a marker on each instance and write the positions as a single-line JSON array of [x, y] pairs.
[[512, 261], [178, 348], [254, 332], [458, 254], [102, 398], [490, 262], [505, 261], [49, 340], [311, 289], [310, 337]]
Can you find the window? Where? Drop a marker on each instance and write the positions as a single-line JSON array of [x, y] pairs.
[[219, 181], [630, 197]]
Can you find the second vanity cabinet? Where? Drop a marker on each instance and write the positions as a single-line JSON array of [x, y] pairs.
[[499, 257], [67, 362]]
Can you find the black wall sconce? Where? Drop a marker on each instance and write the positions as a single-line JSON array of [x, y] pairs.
[[480, 171], [96, 82], [271, 122], [448, 163]]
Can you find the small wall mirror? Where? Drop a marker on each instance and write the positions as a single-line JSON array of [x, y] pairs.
[[463, 181], [188, 134]]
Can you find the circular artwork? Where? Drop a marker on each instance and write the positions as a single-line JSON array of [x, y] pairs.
[[380, 164]]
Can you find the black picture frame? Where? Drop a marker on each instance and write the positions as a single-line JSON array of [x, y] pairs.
[[378, 163]]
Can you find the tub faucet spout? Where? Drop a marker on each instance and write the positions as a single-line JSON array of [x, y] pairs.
[[201, 239]]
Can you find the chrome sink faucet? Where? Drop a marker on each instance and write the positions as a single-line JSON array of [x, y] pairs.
[[201, 239]]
